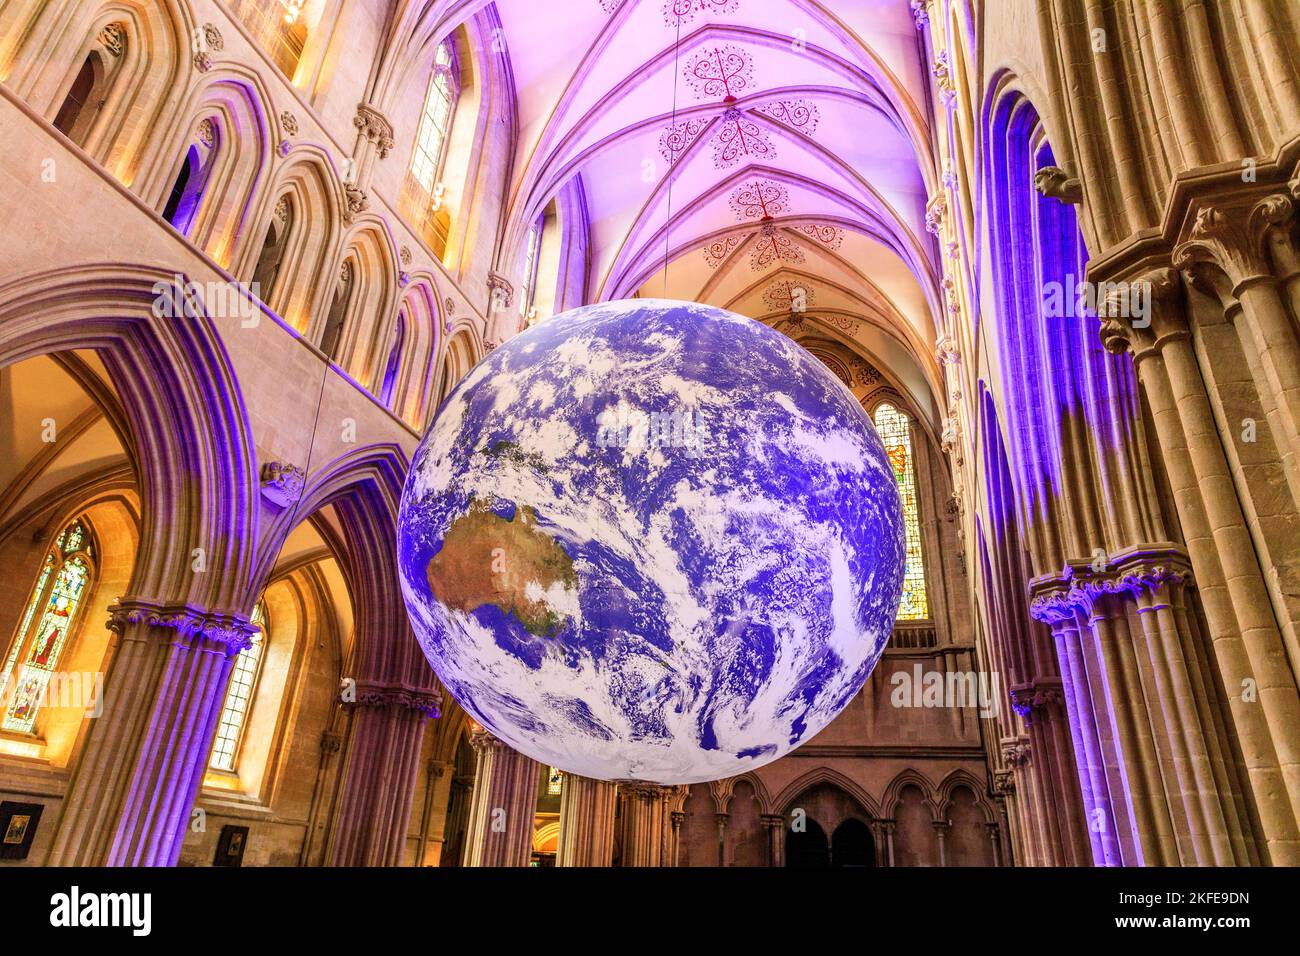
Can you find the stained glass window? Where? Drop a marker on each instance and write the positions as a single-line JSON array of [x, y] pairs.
[[439, 107], [895, 430], [239, 699], [554, 781], [52, 613]]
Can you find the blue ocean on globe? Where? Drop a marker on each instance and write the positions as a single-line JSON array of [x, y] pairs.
[[652, 540]]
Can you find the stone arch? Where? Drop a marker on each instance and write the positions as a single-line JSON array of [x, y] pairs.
[[372, 311], [414, 399], [315, 197], [462, 354], [192, 440], [143, 44], [912, 778], [784, 800], [235, 101]]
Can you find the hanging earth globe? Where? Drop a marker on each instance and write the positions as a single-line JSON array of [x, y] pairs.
[[652, 540]]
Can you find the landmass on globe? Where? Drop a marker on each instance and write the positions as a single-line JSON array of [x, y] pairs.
[[505, 562]]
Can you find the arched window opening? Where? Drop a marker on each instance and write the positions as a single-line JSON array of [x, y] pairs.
[[389, 386], [187, 191], [333, 334], [554, 781], [54, 610], [89, 88], [273, 248], [281, 28], [528, 296], [424, 188], [239, 698], [895, 430]]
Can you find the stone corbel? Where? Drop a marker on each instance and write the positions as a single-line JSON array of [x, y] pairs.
[[282, 484], [356, 203], [501, 291], [1055, 183]]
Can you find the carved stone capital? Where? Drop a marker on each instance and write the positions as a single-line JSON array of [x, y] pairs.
[[1231, 241], [1016, 752], [374, 126], [646, 790], [426, 702], [190, 623], [502, 291], [1032, 700], [1140, 573], [1055, 183]]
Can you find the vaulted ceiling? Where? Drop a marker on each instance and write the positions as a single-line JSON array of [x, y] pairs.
[[759, 148]]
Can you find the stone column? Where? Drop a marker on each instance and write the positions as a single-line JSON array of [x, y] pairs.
[[383, 759], [644, 818], [504, 805], [586, 822], [889, 826], [774, 826], [941, 828], [131, 796]]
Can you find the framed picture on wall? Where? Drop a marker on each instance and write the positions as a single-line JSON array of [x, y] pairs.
[[230, 848], [18, 822]]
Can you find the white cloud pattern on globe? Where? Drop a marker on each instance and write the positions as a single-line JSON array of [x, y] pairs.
[[652, 540]]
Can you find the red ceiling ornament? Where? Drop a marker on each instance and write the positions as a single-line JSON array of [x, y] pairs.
[[738, 138], [725, 70], [716, 252], [683, 11], [789, 296], [800, 115], [773, 246], [677, 139], [761, 199], [829, 236]]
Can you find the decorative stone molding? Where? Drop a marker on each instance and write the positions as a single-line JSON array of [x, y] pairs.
[[212, 38], [942, 71], [357, 202], [202, 61], [281, 211], [330, 742], [404, 254], [935, 211], [1055, 183], [288, 123], [282, 484], [207, 132], [113, 38], [946, 351], [373, 125], [921, 13], [191, 623], [1004, 783]]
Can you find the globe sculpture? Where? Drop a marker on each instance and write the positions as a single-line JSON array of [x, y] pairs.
[[652, 540]]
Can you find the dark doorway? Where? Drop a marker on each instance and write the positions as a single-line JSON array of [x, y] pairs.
[[852, 845], [808, 849]]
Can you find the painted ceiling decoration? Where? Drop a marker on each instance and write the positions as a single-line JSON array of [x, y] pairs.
[[720, 144]]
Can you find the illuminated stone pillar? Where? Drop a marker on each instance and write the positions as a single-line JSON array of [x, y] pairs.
[[132, 793], [586, 822], [645, 815], [504, 805], [383, 760]]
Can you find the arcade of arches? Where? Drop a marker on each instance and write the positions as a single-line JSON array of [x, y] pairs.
[[251, 245]]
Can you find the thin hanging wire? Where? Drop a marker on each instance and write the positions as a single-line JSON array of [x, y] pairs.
[[672, 161]]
